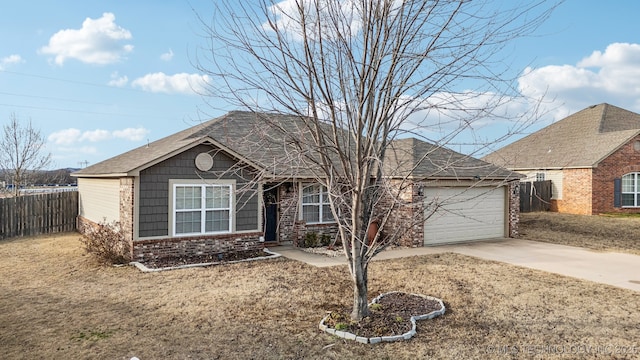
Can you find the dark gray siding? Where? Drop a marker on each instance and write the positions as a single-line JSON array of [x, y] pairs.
[[154, 191]]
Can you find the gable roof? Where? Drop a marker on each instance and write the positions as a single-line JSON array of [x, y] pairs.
[[419, 159], [245, 136], [579, 140]]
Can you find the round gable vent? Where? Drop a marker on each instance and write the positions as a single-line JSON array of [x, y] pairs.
[[204, 162]]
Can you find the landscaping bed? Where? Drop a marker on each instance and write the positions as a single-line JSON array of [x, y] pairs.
[[174, 262], [389, 316]]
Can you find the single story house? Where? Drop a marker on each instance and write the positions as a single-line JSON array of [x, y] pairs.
[[591, 157], [191, 192]]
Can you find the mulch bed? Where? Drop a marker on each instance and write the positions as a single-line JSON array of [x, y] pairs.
[[391, 317], [166, 262]]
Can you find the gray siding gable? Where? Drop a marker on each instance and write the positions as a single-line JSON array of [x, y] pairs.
[[154, 191]]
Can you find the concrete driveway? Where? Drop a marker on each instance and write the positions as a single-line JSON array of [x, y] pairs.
[[617, 269]]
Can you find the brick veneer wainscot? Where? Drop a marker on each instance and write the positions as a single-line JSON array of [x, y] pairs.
[[196, 245]]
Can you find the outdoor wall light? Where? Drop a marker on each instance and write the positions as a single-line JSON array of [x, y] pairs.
[[420, 190]]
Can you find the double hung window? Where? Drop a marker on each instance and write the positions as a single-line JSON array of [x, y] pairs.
[[315, 204], [202, 209], [631, 190]]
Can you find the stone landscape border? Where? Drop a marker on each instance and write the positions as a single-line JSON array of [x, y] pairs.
[[379, 339], [143, 268]]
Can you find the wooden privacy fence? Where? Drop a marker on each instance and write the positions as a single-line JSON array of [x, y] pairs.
[[535, 196], [37, 214]]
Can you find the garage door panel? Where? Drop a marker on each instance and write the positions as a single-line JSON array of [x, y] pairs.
[[464, 214]]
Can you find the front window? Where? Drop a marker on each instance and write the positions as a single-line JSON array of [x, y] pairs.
[[201, 209], [631, 190], [315, 204]]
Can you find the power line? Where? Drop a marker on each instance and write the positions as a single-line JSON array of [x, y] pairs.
[[71, 100], [54, 98], [72, 81], [81, 112]]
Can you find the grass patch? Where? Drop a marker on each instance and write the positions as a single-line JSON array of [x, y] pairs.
[[601, 233], [621, 215], [92, 335], [60, 303]]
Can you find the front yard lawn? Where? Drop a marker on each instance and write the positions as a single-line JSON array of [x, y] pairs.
[[597, 232], [57, 303]]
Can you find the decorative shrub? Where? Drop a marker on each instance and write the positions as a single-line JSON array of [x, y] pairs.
[[325, 240], [107, 242], [310, 240]]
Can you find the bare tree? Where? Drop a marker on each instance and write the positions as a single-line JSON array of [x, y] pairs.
[[357, 75], [22, 153]]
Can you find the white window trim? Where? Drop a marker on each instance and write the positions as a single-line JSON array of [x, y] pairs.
[[636, 180], [173, 184], [320, 204]]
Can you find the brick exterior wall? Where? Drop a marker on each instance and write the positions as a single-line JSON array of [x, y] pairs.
[[85, 225], [576, 192], [302, 228], [126, 208], [623, 161], [513, 203], [144, 250], [407, 217], [289, 227], [287, 213], [292, 229]]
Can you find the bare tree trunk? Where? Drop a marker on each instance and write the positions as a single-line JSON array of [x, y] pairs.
[[359, 275]]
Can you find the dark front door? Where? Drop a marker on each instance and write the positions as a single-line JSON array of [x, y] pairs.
[[271, 215]]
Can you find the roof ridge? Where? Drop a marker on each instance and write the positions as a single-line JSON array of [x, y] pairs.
[[603, 118]]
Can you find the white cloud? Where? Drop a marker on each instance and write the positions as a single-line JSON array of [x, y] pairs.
[[95, 135], [97, 42], [87, 150], [181, 83], [117, 80], [343, 20], [10, 60], [72, 136], [167, 56], [622, 54], [65, 137], [131, 134], [612, 76]]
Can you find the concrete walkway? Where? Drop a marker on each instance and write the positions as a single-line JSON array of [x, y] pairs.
[[617, 269]]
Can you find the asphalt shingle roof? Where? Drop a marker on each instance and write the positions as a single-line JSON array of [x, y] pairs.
[[420, 159], [246, 136], [579, 140]]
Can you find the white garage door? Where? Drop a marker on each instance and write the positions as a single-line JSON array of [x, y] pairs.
[[464, 214]]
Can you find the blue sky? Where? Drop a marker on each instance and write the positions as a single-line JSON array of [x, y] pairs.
[[102, 77]]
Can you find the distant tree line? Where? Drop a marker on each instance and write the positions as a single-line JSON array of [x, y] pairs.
[[59, 177]]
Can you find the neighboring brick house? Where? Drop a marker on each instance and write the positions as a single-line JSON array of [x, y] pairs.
[[193, 192], [592, 158]]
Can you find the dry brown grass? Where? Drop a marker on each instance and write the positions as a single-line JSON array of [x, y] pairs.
[[599, 232], [57, 303]]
